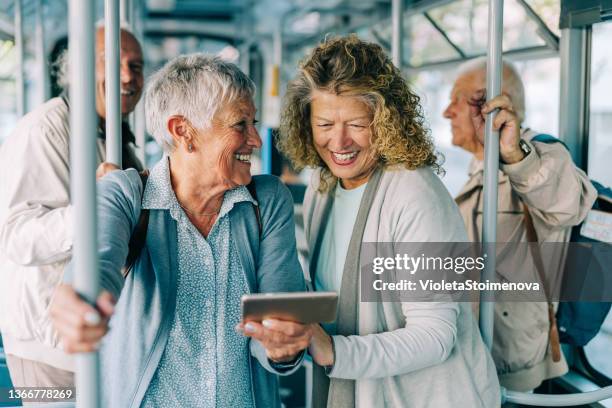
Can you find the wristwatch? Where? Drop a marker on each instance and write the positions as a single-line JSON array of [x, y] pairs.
[[524, 146]]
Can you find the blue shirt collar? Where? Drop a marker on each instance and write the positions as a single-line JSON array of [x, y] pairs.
[[159, 195]]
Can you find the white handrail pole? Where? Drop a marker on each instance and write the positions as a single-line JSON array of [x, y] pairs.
[[19, 47], [397, 13], [491, 166], [112, 85], [83, 122]]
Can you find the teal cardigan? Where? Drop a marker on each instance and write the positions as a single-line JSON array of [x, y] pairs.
[[131, 351]]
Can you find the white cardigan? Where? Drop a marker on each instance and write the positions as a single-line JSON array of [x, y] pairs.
[[385, 358]]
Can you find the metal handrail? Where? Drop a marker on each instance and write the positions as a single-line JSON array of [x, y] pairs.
[[560, 400], [41, 63], [397, 23], [19, 47], [491, 166], [83, 183], [112, 41], [489, 237]]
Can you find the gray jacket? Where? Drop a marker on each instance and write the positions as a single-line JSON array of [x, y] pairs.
[[131, 352]]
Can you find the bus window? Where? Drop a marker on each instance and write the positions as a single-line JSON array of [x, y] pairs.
[[600, 152], [434, 88], [8, 63], [541, 79], [600, 123], [465, 22]]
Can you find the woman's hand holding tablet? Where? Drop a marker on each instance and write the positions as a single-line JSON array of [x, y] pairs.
[[300, 307]]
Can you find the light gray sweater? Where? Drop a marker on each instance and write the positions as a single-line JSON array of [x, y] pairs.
[[384, 358]]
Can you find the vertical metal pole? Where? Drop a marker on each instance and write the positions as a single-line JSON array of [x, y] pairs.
[[140, 132], [113, 101], [83, 183], [309, 380], [491, 167], [273, 103], [125, 12], [134, 12], [126, 18], [247, 24], [397, 13], [245, 56], [41, 60], [266, 151], [245, 46], [574, 50], [278, 62], [139, 112], [19, 46], [277, 46]]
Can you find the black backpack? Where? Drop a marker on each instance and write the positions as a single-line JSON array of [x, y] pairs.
[[579, 322]]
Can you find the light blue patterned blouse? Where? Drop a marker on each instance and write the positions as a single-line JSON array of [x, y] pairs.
[[205, 362]]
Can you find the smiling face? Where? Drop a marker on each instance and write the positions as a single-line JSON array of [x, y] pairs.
[[341, 129], [226, 146], [130, 73]]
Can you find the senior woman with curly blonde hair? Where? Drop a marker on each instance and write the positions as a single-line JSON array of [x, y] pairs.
[[350, 114]]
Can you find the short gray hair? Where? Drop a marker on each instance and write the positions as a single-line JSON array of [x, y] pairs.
[[194, 86], [512, 83]]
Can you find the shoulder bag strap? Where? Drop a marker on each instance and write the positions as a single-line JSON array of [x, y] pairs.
[[534, 247], [139, 235], [253, 192]]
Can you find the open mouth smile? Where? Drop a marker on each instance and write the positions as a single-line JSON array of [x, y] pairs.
[[242, 157], [344, 159]]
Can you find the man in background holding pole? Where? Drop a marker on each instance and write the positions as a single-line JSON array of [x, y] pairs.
[[35, 218], [541, 195]]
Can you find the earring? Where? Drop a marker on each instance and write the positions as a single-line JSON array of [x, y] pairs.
[[190, 147]]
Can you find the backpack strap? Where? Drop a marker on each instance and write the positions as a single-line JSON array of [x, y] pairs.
[[547, 139], [532, 239], [253, 192], [139, 235]]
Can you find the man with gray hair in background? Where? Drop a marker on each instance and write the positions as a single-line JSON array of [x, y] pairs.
[[540, 190], [35, 218]]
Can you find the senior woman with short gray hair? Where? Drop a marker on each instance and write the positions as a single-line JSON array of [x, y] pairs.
[[175, 337]]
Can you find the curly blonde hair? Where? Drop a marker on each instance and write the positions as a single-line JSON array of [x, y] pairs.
[[350, 66]]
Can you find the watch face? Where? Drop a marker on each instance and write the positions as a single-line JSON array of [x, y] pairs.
[[524, 146]]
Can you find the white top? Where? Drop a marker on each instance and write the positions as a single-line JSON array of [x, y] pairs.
[[336, 238]]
